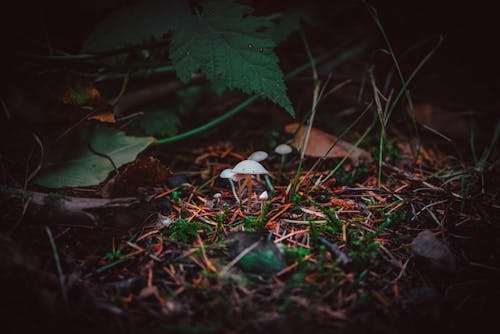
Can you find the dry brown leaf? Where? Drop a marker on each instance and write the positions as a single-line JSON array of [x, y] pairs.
[[82, 93], [104, 117], [320, 142]]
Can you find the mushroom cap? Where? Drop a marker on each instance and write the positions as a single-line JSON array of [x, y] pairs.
[[283, 149], [258, 156], [264, 196], [227, 174], [249, 167]]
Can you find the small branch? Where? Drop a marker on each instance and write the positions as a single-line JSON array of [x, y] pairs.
[[58, 265], [71, 210]]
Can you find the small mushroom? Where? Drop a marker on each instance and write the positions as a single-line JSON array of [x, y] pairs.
[[258, 156], [230, 175], [261, 156], [247, 168], [283, 150], [264, 196]]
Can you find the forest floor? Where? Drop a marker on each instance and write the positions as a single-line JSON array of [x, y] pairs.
[[348, 259]]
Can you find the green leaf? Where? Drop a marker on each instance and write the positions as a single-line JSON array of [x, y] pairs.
[[228, 46], [133, 24], [232, 48], [73, 164]]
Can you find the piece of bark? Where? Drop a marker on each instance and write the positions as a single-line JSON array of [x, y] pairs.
[[60, 209]]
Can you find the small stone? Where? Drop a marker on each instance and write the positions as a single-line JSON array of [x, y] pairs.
[[434, 253], [264, 258], [176, 180]]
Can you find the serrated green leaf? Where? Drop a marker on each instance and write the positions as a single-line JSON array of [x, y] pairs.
[[134, 24], [227, 45], [73, 164]]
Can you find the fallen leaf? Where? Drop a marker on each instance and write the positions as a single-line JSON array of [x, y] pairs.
[[103, 117], [82, 93], [320, 142], [71, 163]]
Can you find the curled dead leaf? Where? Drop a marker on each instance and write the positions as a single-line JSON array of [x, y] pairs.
[[320, 143]]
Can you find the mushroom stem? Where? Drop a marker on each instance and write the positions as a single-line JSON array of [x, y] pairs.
[[234, 191], [249, 192], [269, 183]]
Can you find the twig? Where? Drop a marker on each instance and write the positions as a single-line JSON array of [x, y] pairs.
[[58, 265], [103, 156], [80, 209], [334, 249], [39, 166], [426, 207]]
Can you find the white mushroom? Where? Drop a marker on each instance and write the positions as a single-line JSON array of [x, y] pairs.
[[247, 168], [261, 156], [264, 196], [230, 175], [283, 150], [258, 156]]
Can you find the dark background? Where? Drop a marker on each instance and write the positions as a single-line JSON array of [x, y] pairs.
[[464, 71]]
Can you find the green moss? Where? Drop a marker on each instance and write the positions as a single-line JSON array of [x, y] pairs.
[[184, 231]]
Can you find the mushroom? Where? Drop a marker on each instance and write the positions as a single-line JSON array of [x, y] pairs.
[[283, 150], [230, 175], [258, 156], [261, 156], [264, 196], [247, 168]]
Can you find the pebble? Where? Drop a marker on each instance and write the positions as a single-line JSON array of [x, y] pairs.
[[433, 253]]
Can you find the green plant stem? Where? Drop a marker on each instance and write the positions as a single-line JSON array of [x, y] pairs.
[[65, 57], [210, 124], [341, 162], [269, 184], [404, 88], [342, 134], [348, 54], [410, 78], [296, 181]]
